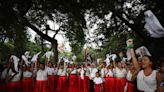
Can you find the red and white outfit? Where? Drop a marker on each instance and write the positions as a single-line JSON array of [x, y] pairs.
[[62, 82], [27, 82], [15, 83], [109, 83], [130, 84], [82, 81], [120, 80], [3, 86], [41, 84], [98, 84], [73, 80], [55, 78], [147, 83], [51, 79]]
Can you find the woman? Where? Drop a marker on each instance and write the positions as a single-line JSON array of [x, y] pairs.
[[131, 77], [82, 83], [55, 76], [98, 83], [109, 80], [27, 81], [14, 76], [62, 82], [120, 74], [73, 79], [51, 79], [148, 80], [41, 84]]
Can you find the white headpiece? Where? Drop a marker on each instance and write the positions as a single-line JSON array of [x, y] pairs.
[[113, 56], [138, 52], [152, 25], [15, 61], [48, 54], [35, 57]]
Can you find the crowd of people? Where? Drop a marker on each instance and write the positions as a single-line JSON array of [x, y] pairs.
[[112, 75]]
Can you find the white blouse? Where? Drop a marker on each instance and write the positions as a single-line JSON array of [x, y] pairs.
[[42, 75], [27, 74], [74, 71], [129, 76], [93, 73], [120, 73], [17, 77], [61, 72], [108, 72], [147, 83], [50, 71], [98, 80]]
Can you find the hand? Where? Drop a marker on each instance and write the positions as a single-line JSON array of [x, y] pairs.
[[129, 42]]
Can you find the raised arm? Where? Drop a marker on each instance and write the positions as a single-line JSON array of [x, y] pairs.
[[134, 59]]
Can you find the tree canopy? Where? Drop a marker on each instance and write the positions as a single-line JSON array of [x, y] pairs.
[[75, 18]]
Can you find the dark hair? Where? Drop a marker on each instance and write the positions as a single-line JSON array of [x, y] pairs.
[[150, 57]]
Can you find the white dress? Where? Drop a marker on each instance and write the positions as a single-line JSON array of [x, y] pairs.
[[147, 83]]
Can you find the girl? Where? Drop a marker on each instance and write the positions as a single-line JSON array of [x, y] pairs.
[[147, 78], [62, 82], [27, 81], [41, 84], [120, 74], [98, 83], [51, 79], [73, 79], [81, 79], [109, 80], [14, 75]]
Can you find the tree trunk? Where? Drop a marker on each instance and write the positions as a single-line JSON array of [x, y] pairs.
[[55, 50]]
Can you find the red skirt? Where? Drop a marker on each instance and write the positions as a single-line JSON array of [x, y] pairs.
[[130, 87], [62, 84], [3, 87], [15, 86], [120, 84], [51, 81], [86, 84], [109, 84], [41, 86], [55, 82], [81, 83], [27, 85], [73, 83], [97, 88]]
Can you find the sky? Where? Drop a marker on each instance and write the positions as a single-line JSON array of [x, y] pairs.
[[59, 37]]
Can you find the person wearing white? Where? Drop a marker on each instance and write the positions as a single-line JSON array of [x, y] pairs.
[[147, 78]]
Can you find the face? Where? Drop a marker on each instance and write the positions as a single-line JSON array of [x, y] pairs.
[[41, 66], [54, 65], [119, 65], [146, 62], [97, 74], [49, 64]]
